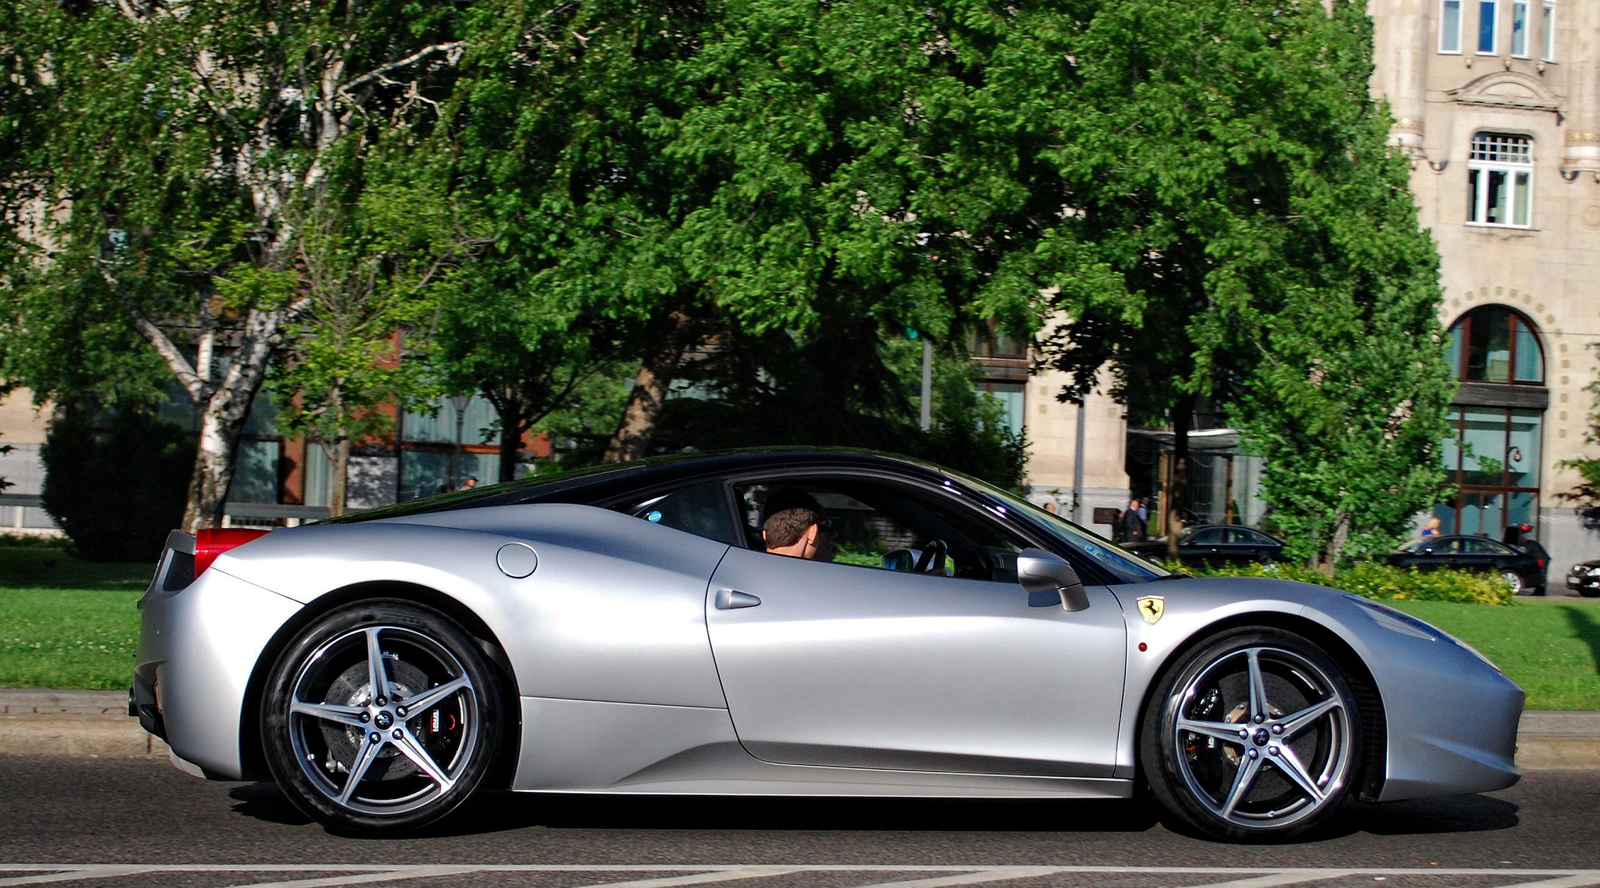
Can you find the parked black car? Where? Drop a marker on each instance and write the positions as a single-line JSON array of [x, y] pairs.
[[1524, 568], [1216, 544], [1585, 579]]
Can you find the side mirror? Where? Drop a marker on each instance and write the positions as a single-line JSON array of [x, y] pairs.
[[900, 559], [1049, 579]]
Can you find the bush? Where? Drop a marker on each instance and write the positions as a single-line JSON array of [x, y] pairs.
[[116, 492], [1384, 582]]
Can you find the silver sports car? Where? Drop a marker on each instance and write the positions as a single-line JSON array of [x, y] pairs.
[[626, 630]]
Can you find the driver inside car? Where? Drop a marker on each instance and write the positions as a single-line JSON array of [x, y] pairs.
[[795, 526]]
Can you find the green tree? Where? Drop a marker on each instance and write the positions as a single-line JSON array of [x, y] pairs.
[[173, 149], [370, 274], [1232, 225], [552, 137], [1585, 497]]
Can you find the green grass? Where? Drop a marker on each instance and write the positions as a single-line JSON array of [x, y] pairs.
[[68, 624], [65, 623], [1550, 646]]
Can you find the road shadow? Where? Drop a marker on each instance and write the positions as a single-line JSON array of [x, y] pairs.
[[1423, 817], [1586, 629], [508, 811], [267, 803], [500, 812]]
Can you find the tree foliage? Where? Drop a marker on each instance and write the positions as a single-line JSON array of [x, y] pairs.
[[760, 189], [174, 147], [1233, 226], [115, 487]]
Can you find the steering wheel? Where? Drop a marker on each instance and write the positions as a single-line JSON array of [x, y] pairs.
[[933, 555]]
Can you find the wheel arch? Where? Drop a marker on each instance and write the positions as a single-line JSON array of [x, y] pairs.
[[1369, 703], [252, 755]]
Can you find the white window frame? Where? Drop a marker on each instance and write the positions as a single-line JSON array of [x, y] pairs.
[[1492, 8], [1521, 12], [1450, 38], [1509, 155], [1547, 31]]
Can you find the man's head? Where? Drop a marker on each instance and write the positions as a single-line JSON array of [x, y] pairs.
[[795, 525]]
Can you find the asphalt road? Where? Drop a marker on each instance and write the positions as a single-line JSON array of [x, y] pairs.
[[115, 822]]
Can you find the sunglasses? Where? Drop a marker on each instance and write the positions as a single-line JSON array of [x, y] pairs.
[[826, 526]]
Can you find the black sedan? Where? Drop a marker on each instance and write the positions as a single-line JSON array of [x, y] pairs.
[[1524, 569], [1216, 544], [1584, 579]]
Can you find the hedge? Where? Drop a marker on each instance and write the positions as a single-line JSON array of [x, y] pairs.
[[1381, 581]]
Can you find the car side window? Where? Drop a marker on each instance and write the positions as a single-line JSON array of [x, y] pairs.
[[1211, 536], [700, 509], [1486, 547], [886, 526]]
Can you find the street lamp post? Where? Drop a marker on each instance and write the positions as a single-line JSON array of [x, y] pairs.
[[459, 402]]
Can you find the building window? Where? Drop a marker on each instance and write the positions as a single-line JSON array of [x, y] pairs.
[[1450, 26], [1009, 397], [1548, 27], [1493, 459], [1487, 10], [1519, 28], [1495, 344], [1493, 454], [1500, 180]]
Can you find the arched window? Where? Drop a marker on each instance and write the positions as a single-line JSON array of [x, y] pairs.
[[1498, 419], [1496, 344]]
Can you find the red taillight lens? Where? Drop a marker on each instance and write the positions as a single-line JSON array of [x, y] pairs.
[[1541, 562], [210, 543]]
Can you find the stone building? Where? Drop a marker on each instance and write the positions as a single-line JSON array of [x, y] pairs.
[[1498, 104]]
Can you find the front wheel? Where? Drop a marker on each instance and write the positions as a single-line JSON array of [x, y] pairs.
[[381, 717], [1253, 735]]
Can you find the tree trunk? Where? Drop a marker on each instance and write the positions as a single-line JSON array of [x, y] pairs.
[[632, 440], [512, 424], [225, 406], [213, 470], [1178, 491], [341, 473]]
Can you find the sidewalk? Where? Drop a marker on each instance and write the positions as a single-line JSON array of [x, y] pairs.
[[96, 723]]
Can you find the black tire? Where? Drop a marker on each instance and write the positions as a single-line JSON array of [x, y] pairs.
[[418, 748], [1227, 769], [1586, 592], [1515, 580]]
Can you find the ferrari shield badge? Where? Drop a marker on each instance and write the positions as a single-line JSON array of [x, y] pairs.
[[1151, 607]]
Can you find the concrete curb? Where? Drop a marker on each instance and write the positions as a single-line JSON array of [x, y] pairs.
[[96, 723]]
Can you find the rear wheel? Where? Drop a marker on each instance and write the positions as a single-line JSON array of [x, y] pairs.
[[381, 717], [1514, 579], [1252, 735]]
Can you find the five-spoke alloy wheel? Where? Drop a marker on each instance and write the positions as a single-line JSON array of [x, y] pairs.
[[1253, 734], [381, 717]]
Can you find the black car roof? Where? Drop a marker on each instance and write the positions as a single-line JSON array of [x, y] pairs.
[[595, 483]]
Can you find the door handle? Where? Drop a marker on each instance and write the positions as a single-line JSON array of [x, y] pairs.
[[731, 599]]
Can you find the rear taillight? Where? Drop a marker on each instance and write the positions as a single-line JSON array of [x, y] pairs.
[[1540, 562], [209, 544]]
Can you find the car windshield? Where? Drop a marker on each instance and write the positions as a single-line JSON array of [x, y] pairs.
[[1107, 554]]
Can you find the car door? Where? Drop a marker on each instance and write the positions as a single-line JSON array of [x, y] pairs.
[[1476, 554], [843, 665], [1203, 546], [1488, 555]]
